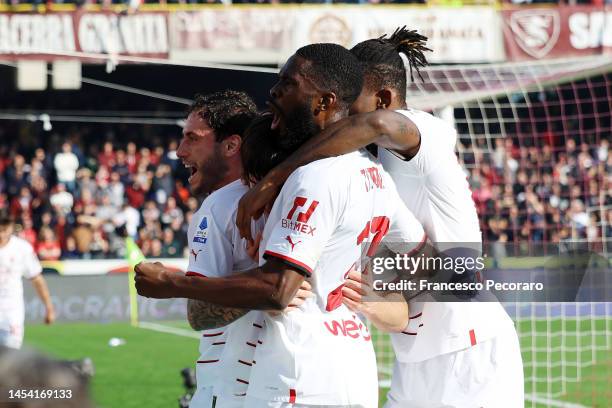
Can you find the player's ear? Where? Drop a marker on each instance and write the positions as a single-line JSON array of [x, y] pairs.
[[326, 101], [384, 97], [231, 145]]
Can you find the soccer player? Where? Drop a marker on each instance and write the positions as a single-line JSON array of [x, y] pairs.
[[17, 260], [321, 354], [457, 354], [211, 149]]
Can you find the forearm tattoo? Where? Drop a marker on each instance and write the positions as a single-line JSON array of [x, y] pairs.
[[203, 315]]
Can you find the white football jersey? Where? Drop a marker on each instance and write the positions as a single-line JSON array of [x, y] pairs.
[[216, 250], [322, 353], [434, 187], [17, 261]]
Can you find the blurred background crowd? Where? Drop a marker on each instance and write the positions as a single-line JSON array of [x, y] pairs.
[[69, 202], [69, 199]]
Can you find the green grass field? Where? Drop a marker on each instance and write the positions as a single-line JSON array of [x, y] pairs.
[[145, 371]]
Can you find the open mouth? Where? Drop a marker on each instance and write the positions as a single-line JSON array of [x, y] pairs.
[[277, 115], [193, 169]]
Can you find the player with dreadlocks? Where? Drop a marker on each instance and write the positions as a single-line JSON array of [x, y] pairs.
[[449, 354]]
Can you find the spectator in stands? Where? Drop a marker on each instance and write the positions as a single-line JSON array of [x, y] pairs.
[[131, 157], [171, 247], [162, 183], [85, 183], [128, 217], [27, 231], [106, 158], [171, 212], [16, 175], [61, 200], [115, 190], [21, 204], [48, 247], [99, 247], [170, 158], [66, 164], [135, 195], [46, 165], [121, 167], [71, 251]]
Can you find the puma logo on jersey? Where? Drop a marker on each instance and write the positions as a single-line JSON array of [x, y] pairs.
[[293, 244], [195, 254]]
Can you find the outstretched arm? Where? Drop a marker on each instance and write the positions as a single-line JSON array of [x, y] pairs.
[[205, 315], [385, 128], [270, 287]]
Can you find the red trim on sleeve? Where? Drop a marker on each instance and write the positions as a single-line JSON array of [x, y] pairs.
[[290, 261], [212, 334], [292, 395], [191, 273], [473, 337], [418, 248]]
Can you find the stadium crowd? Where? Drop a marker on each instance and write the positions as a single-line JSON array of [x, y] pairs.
[[68, 204], [538, 195]]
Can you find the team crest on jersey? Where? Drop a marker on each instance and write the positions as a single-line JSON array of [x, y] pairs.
[[201, 234]]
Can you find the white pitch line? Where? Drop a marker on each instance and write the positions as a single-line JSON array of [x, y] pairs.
[[171, 330], [553, 403]]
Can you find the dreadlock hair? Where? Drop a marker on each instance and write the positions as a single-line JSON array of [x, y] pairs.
[[333, 68], [260, 151], [227, 112], [383, 66]]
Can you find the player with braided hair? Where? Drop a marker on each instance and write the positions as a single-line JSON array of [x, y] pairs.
[[461, 354]]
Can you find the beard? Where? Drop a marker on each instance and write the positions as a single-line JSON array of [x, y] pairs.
[[300, 126], [212, 171]]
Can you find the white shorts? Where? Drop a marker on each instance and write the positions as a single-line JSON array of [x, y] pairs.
[[489, 374], [205, 398], [11, 334], [257, 403]]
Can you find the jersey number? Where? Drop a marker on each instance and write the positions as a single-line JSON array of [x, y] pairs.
[[303, 216], [379, 226]]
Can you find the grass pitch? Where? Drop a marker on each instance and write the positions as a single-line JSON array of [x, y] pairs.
[[144, 372]]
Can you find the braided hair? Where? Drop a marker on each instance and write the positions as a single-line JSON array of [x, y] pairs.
[[383, 65]]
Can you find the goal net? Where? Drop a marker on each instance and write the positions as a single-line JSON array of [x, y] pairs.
[[533, 138]]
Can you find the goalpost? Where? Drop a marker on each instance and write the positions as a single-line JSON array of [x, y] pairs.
[[545, 119]]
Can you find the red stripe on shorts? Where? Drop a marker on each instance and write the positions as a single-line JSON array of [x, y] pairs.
[[292, 394], [472, 337]]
